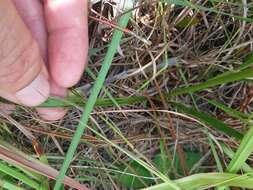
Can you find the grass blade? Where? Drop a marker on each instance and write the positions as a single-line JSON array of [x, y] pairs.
[[221, 79], [208, 180], [245, 167], [228, 110], [9, 186], [101, 102], [242, 153], [34, 165], [19, 176], [208, 119], [94, 94], [211, 138]]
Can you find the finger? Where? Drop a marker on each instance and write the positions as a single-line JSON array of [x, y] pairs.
[[53, 114], [68, 39], [32, 14], [7, 108], [22, 77]]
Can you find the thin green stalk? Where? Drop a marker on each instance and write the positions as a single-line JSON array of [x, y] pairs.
[[242, 153], [207, 181], [9, 186], [108, 94], [221, 79], [232, 112], [229, 152], [211, 138], [186, 83], [17, 175], [227, 77], [94, 95], [209, 120]]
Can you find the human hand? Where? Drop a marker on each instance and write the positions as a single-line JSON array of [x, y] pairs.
[[43, 50]]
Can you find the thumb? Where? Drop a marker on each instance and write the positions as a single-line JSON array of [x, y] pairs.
[[23, 77]]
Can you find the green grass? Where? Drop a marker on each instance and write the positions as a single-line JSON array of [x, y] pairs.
[[208, 180], [94, 95], [184, 98], [243, 151]]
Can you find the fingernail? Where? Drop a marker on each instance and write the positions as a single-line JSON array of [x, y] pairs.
[[35, 93]]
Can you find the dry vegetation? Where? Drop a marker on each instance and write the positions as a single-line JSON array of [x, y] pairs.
[[165, 47]]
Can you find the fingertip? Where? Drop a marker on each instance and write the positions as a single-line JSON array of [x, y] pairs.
[[67, 23], [68, 53], [52, 114], [66, 78]]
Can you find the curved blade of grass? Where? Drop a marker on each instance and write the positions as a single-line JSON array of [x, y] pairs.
[[211, 138], [209, 120], [123, 21], [221, 79], [44, 185], [242, 153], [206, 180], [229, 111]]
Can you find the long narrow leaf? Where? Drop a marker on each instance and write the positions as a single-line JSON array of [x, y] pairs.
[[242, 153], [245, 167], [221, 79], [229, 111], [94, 94], [208, 119], [207, 180], [19, 176], [36, 166], [9, 186]]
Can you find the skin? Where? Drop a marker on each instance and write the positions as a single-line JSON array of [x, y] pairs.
[[43, 50]]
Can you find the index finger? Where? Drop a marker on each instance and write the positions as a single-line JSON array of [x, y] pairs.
[[68, 39]]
